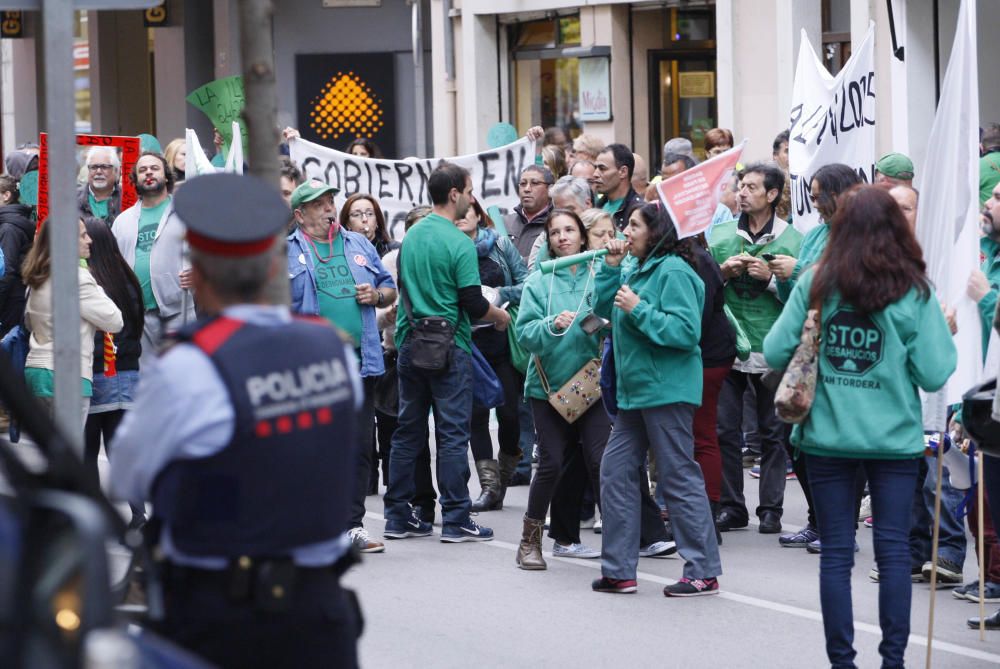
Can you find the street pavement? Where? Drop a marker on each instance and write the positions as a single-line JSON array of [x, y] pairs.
[[430, 604]]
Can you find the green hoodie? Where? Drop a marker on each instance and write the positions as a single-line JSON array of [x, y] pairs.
[[813, 245], [753, 304], [988, 305], [870, 368], [563, 353], [657, 358]]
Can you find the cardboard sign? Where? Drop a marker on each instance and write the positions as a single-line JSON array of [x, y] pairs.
[[832, 121], [222, 101], [129, 155], [400, 185], [692, 196]]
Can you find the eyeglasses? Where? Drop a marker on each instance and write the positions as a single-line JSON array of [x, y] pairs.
[[533, 184], [360, 215], [100, 166]]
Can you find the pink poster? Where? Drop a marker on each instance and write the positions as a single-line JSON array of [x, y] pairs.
[[692, 196]]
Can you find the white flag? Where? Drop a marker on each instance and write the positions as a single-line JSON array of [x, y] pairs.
[[234, 161], [197, 162], [832, 121], [948, 210]]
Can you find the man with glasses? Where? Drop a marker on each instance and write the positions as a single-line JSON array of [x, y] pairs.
[[337, 275], [100, 197], [528, 219]]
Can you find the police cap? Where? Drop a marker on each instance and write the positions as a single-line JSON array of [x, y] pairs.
[[231, 214]]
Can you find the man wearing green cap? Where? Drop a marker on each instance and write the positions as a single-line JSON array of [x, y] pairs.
[[894, 169], [337, 274]]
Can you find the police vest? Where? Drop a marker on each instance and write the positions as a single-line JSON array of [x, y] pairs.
[[287, 476]]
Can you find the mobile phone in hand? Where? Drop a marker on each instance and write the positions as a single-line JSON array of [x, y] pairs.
[[768, 257]]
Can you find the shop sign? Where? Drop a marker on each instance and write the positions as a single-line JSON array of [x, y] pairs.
[[696, 84], [595, 89], [11, 24], [155, 17]]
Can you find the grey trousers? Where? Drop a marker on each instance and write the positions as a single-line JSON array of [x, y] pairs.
[[667, 431]]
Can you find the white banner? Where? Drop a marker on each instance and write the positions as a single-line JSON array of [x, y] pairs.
[[400, 185], [832, 121], [948, 211]]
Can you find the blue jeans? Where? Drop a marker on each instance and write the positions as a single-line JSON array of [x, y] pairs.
[[951, 541], [449, 394], [892, 484]]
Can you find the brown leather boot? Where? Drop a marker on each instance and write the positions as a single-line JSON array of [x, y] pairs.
[[529, 551]]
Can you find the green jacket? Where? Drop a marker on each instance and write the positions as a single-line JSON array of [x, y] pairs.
[[563, 353], [988, 305], [657, 358], [813, 245], [753, 304], [867, 403]]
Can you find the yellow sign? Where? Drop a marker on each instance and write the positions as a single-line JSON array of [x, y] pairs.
[[696, 84], [155, 17], [346, 105], [11, 24]]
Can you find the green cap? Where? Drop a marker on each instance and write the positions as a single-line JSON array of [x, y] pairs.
[[895, 165], [309, 191]]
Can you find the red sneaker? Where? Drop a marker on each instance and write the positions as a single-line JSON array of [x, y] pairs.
[[622, 585]]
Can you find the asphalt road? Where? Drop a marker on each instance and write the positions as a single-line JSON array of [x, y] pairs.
[[430, 604]]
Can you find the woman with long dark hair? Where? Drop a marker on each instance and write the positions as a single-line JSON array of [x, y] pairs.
[[649, 289], [884, 337], [362, 214], [116, 356]]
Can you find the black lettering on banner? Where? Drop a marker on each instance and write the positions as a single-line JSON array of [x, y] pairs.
[[383, 181], [870, 93], [371, 183], [398, 224], [424, 172], [403, 171], [801, 190], [488, 176], [352, 177], [336, 183], [512, 172], [306, 164]]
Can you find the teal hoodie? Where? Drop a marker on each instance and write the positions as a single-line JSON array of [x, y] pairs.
[[813, 245], [563, 353], [988, 305], [657, 358], [867, 403]]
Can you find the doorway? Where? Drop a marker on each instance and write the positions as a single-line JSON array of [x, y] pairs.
[[683, 101]]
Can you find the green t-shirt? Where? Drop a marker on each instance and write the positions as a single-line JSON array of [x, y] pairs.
[[437, 260], [335, 287], [42, 382], [98, 208], [149, 221], [612, 206]]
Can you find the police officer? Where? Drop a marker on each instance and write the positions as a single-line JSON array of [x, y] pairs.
[[243, 438]]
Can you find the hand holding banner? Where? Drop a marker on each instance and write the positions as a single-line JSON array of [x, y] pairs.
[[692, 196]]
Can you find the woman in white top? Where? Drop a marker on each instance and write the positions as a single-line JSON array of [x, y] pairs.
[[97, 312]]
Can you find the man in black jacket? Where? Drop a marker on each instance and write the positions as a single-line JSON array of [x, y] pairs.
[[17, 232], [527, 221], [613, 182]]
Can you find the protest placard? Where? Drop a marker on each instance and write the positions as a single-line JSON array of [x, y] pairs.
[[129, 154], [692, 196], [401, 185], [222, 101], [832, 121]]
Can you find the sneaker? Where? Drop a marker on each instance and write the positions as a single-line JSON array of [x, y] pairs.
[[866, 508], [658, 549], [402, 529], [598, 526], [749, 458], [799, 539], [991, 594], [948, 573], [574, 551], [971, 586], [916, 575], [687, 587], [620, 585], [790, 474], [587, 523], [869, 521], [363, 541], [815, 547], [534, 454], [755, 472], [468, 531]]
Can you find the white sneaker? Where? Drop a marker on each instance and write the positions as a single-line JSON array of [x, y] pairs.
[[598, 524], [659, 549], [574, 551], [364, 542], [866, 507], [588, 523]]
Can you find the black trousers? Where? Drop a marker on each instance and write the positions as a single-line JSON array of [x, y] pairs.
[[98, 426], [509, 433], [366, 432], [319, 629]]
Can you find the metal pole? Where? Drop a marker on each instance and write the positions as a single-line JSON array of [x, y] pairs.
[[57, 26], [418, 72]]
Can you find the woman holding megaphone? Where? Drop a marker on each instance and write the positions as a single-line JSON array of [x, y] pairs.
[[650, 290]]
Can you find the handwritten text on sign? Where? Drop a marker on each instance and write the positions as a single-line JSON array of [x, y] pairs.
[[832, 121], [400, 185], [692, 196]]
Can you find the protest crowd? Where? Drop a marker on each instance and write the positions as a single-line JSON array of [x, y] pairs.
[[633, 370]]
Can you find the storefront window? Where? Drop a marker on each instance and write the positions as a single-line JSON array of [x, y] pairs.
[[546, 84]]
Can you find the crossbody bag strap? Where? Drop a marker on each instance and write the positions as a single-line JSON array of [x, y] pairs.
[[403, 296], [541, 376]]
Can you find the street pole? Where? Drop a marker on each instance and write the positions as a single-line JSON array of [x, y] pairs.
[[260, 114], [57, 22]]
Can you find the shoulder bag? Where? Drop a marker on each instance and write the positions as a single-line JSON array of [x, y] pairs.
[[432, 339], [576, 395], [797, 390]]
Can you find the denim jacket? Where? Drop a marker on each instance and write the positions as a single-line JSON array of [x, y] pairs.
[[366, 267]]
